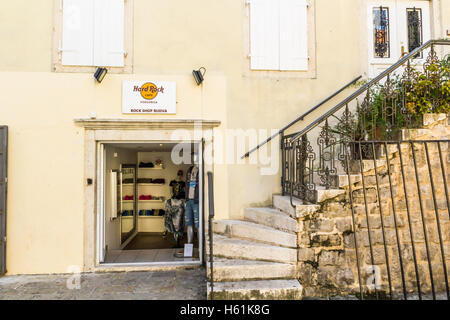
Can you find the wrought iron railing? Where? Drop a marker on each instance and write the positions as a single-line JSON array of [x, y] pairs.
[[211, 232], [378, 110], [301, 117], [390, 175], [399, 208]]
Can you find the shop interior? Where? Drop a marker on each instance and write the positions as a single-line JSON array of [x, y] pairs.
[[145, 203]]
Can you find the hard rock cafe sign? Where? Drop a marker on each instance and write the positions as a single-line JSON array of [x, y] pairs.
[[144, 97]]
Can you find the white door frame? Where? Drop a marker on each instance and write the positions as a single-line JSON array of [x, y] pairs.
[[101, 214], [101, 237]]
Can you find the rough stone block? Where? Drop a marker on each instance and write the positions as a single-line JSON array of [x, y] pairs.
[[344, 224], [379, 256], [303, 239], [306, 254], [372, 208], [307, 274], [330, 258], [374, 221], [345, 277], [430, 119], [321, 225], [389, 221], [325, 240]]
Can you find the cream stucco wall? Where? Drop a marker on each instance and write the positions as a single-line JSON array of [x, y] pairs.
[[46, 227]]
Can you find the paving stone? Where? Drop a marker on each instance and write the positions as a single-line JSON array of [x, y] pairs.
[[174, 285]]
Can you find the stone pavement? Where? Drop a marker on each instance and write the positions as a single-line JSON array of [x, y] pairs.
[[149, 285]]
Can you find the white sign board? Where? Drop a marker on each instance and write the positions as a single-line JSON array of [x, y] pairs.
[[188, 250], [144, 97]]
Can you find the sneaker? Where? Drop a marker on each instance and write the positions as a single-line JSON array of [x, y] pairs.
[[179, 254]]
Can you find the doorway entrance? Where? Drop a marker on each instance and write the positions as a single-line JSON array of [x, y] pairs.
[[395, 28], [146, 202]]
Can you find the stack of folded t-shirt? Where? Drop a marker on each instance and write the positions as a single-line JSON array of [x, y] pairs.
[[127, 213], [144, 180], [146, 165], [146, 212]]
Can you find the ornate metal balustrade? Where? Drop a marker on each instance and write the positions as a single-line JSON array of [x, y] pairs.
[[377, 111], [407, 179]]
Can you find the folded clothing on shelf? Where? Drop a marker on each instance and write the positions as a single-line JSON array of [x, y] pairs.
[[146, 165], [128, 180], [145, 197], [146, 212], [144, 180], [159, 181], [128, 198], [126, 213]]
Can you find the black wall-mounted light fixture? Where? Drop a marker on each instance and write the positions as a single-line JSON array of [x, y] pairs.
[[198, 75], [100, 74]]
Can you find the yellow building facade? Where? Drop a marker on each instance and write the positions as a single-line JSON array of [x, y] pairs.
[[56, 114]]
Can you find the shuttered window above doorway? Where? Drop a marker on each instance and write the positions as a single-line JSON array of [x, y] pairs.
[[93, 33], [279, 35]]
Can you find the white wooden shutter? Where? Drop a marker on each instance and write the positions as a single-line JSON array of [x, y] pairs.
[[109, 33], [77, 35], [293, 35], [264, 35]]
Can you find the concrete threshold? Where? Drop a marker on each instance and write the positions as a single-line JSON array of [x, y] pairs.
[[146, 266]]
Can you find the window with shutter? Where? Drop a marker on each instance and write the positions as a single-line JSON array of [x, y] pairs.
[[293, 35], [77, 37], [109, 33], [264, 35], [93, 33], [278, 35]]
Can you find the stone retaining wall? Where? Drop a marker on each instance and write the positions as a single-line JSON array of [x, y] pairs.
[[327, 263]]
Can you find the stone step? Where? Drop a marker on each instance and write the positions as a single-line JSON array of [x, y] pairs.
[[252, 231], [341, 180], [240, 270], [248, 250], [431, 119], [414, 134], [322, 194], [367, 165], [272, 218], [257, 290], [283, 203]]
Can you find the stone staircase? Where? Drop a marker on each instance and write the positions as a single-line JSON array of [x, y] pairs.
[[256, 258], [260, 256]]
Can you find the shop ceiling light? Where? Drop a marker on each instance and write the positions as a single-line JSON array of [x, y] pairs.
[[198, 75], [100, 74]]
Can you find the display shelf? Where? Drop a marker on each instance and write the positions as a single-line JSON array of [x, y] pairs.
[[151, 184], [127, 184], [127, 201], [154, 168], [150, 201], [152, 217]]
